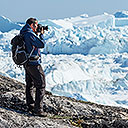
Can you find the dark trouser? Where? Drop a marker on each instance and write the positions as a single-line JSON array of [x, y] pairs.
[[35, 78]]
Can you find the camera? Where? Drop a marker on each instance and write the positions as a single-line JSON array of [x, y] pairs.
[[39, 28]]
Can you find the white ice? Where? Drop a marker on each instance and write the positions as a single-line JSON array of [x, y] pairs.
[[85, 57]]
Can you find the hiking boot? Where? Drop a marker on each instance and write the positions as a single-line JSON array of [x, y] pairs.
[[40, 113], [30, 108]]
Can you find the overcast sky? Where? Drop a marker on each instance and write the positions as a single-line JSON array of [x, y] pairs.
[[20, 10]]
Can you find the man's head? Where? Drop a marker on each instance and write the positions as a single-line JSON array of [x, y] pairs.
[[33, 23]]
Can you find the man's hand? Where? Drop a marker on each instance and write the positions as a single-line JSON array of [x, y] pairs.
[[42, 31]]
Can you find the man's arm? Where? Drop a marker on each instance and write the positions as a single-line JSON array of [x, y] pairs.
[[35, 41]]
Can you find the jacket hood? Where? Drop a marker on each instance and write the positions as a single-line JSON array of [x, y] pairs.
[[26, 28]]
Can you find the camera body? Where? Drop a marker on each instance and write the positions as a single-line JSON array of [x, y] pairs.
[[39, 28]]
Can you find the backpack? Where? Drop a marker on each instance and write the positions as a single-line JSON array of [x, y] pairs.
[[19, 55]]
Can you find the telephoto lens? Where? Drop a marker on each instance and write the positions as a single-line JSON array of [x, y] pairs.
[[45, 28]]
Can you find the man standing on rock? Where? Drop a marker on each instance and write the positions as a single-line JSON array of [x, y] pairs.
[[34, 74]]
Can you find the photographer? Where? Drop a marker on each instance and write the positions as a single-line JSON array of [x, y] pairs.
[[34, 74]]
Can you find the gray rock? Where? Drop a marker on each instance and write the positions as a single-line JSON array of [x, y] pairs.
[[62, 112]]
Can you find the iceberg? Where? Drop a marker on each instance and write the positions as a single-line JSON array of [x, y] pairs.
[[84, 57], [6, 25]]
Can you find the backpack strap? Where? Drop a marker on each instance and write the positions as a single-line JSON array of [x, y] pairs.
[[31, 52], [32, 46]]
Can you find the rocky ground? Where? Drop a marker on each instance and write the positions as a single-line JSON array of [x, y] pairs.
[[61, 112]]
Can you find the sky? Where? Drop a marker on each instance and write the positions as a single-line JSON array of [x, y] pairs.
[[20, 10]]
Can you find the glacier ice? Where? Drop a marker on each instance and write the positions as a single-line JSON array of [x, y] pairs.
[[7, 25], [85, 57]]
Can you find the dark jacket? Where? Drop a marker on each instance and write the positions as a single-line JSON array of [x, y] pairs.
[[31, 40]]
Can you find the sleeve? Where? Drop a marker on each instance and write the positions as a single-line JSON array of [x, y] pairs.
[[42, 38], [35, 41]]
